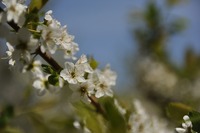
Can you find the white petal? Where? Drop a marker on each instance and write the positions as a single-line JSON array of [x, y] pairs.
[[10, 47], [109, 92], [83, 59], [43, 49], [74, 87], [99, 93], [48, 15], [72, 81], [61, 82], [69, 66], [37, 84], [181, 130], [77, 124], [11, 62], [80, 79], [87, 68], [41, 92], [64, 74]]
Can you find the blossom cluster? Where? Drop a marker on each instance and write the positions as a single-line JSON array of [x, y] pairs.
[[163, 79], [46, 38], [141, 122]]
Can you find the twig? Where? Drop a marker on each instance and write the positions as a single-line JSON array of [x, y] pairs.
[[56, 66], [98, 107]]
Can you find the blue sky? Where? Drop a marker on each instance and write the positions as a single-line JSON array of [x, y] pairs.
[[102, 29]]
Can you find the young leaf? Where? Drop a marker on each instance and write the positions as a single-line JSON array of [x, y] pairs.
[[54, 80], [177, 110], [93, 63], [94, 122], [117, 123], [36, 5], [48, 69], [195, 119]]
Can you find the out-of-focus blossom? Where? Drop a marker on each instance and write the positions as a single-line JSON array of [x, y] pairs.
[[141, 122], [14, 10], [81, 127]]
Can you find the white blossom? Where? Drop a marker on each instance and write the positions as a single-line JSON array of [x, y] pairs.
[[20, 45], [103, 88], [34, 67], [119, 107], [74, 73], [41, 84], [103, 81], [14, 10], [82, 91], [186, 126], [10, 53], [163, 79], [141, 122], [69, 49], [55, 37]]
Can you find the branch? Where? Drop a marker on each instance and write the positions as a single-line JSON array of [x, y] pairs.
[[56, 66], [49, 60], [45, 56], [98, 107]]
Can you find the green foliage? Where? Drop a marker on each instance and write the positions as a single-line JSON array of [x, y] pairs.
[[195, 119], [53, 79], [48, 69], [39, 123], [32, 17], [36, 5], [6, 114], [177, 26], [94, 122], [116, 122], [176, 111], [152, 15], [93, 63]]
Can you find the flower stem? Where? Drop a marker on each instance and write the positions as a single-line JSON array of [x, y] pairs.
[[95, 103]]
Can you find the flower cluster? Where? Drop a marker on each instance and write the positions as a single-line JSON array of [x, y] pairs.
[[45, 38], [54, 36], [84, 81]]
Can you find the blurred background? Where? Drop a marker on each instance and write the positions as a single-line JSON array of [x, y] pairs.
[[152, 45], [104, 29]]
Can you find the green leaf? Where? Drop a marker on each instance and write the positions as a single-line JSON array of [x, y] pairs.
[[48, 69], [54, 80], [94, 122], [117, 123], [93, 63], [195, 119], [176, 111], [36, 5], [6, 114]]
